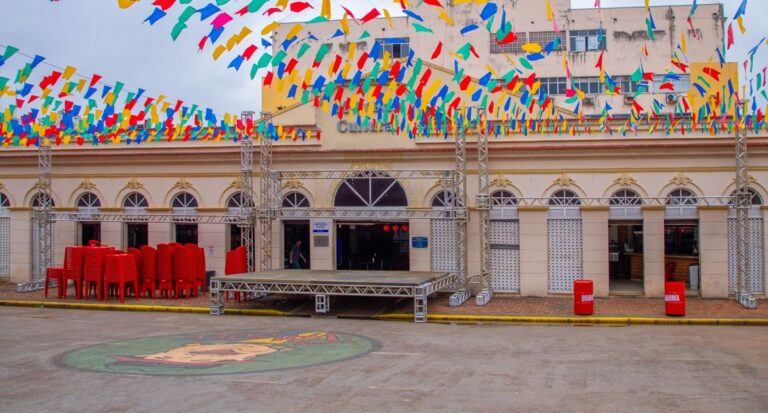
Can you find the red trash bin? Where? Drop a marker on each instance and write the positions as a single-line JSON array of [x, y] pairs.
[[674, 298], [583, 298]]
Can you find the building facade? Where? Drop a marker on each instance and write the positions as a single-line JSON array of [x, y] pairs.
[[626, 211]]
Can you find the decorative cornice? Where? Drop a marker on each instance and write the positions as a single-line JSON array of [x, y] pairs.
[[501, 181], [86, 185], [236, 183], [752, 180], [182, 184], [564, 180], [625, 180], [369, 166], [134, 184], [292, 184], [681, 179]]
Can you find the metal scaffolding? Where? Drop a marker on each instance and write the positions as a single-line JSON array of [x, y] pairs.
[[245, 213], [742, 203], [42, 220], [483, 202], [460, 216], [269, 192]]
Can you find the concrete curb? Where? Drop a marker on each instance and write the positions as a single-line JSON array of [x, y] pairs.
[[433, 318]]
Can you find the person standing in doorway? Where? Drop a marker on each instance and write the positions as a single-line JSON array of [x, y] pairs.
[[296, 255]]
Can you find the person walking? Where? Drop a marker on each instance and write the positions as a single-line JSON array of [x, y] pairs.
[[296, 255]]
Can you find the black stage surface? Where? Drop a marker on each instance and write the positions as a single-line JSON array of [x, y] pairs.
[[377, 278]]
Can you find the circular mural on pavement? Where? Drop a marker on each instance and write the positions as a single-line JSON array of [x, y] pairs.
[[218, 353]]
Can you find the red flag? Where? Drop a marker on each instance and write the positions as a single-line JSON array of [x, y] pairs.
[[730, 36], [300, 6], [374, 13], [599, 64], [437, 51]]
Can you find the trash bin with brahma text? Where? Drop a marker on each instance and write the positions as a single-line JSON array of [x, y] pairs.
[[583, 297]]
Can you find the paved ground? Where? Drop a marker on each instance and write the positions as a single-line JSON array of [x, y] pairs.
[[500, 305], [415, 368]]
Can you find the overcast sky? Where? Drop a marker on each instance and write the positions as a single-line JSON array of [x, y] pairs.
[[96, 37]]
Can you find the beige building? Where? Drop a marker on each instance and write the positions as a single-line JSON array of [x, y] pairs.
[[624, 211]]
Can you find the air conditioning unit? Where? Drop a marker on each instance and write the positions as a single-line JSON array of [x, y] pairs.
[[629, 99], [588, 101], [672, 98]]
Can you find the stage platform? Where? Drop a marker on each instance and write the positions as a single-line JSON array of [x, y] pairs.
[[324, 284]]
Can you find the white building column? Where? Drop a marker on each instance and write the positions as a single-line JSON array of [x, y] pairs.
[[322, 256], [653, 250], [421, 258], [534, 276], [21, 246], [713, 251], [595, 248]]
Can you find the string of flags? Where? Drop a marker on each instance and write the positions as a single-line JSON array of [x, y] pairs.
[[374, 89]]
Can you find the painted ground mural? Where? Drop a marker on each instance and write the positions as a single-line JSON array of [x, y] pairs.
[[218, 353]]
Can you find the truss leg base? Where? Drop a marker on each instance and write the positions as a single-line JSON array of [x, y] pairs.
[[420, 308], [30, 286], [322, 304], [484, 297], [748, 301], [458, 298]]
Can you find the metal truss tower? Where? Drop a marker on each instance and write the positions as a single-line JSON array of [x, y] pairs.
[[459, 215], [483, 201], [246, 213], [743, 203], [43, 222], [268, 193]]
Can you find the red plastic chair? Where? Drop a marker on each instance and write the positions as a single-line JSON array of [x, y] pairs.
[[55, 274], [200, 267], [184, 271], [236, 262], [120, 269], [93, 270], [136, 256], [669, 271], [164, 272], [73, 270], [148, 271]]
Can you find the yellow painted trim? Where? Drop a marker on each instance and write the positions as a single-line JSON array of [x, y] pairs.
[[598, 208], [113, 209], [403, 317], [140, 308], [532, 209], [20, 209], [159, 209], [653, 207], [65, 209], [713, 207], [583, 320], [212, 209]]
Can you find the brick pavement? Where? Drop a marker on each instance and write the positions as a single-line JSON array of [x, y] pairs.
[[499, 306]]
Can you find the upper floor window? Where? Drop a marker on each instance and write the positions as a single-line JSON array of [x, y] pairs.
[[443, 199], [682, 197], [626, 197], [511, 47], [37, 201], [563, 198], [88, 200], [398, 47], [587, 40], [544, 38], [295, 200], [4, 202], [682, 84], [184, 201], [554, 85], [502, 198]]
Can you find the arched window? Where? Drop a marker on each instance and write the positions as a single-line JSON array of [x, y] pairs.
[[503, 199], [295, 200], [564, 198], [626, 198], [37, 201], [370, 189], [235, 201], [755, 197], [184, 203], [682, 197], [443, 199], [5, 203], [135, 203], [88, 201]]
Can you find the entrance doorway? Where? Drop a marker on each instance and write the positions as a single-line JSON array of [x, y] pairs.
[[296, 231], [137, 235], [681, 250], [186, 233], [372, 246], [625, 252], [90, 231]]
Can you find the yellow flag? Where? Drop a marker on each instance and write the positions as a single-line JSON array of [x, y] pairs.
[[389, 18], [68, 72], [325, 10], [550, 12], [345, 25], [740, 20], [269, 28], [683, 45], [124, 4]]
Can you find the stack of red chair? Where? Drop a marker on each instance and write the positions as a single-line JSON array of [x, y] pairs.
[[164, 272], [93, 270], [120, 269], [184, 270], [236, 263], [73, 269], [148, 271], [200, 261]]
